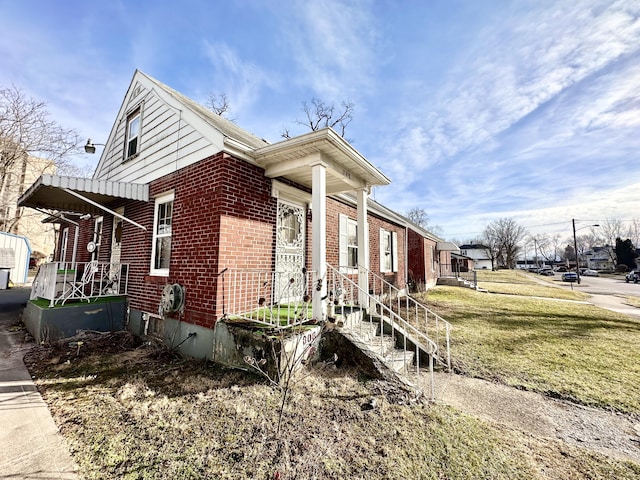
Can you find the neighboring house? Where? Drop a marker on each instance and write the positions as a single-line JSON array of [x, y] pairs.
[[598, 258], [429, 257], [182, 196], [21, 221], [477, 253], [462, 263]]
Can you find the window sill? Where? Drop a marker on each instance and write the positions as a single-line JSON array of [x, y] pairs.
[[132, 157]]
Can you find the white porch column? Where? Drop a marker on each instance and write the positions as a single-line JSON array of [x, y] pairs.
[[363, 246], [319, 242]]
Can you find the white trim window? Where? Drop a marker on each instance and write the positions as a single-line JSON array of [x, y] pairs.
[[63, 244], [388, 251], [97, 237], [132, 142], [161, 247], [348, 242]]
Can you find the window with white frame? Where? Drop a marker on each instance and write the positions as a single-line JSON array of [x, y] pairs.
[[132, 143], [388, 251], [63, 244], [161, 249], [97, 237], [348, 242]]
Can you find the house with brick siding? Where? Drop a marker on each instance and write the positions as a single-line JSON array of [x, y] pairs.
[[197, 220]]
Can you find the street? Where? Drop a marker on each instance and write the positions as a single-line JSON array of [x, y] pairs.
[[601, 285]]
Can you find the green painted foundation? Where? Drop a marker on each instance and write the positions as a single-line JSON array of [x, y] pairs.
[[48, 324]]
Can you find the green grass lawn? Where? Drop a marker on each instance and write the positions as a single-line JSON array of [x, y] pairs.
[[130, 413], [563, 349]]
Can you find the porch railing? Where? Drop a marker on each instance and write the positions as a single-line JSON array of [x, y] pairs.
[[61, 282], [275, 299], [455, 270], [406, 339], [407, 310]]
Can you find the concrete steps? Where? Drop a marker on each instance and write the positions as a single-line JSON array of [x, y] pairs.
[[384, 345]]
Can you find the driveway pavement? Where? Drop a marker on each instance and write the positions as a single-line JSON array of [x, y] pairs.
[[31, 447]]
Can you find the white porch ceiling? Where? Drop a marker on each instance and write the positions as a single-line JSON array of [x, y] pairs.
[[347, 169]]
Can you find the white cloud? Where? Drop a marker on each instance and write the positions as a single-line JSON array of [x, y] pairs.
[[243, 81], [333, 45]]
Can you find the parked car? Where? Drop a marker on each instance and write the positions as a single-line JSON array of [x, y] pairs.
[[569, 277], [547, 272], [561, 269], [633, 276], [589, 273]]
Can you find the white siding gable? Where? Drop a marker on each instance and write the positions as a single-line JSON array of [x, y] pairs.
[[172, 136]]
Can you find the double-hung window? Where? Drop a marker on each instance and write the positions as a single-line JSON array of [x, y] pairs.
[[132, 144], [348, 242], [161, 248], [388, 251]]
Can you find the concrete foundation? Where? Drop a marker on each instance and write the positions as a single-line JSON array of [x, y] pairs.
[[275, 352], [47, 324]]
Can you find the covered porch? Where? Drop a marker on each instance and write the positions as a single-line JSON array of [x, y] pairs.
[[325, 163]]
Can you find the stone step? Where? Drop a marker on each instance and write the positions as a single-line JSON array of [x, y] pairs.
[[400, 361]]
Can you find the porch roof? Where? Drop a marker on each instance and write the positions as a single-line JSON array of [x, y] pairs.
[[447, 247], [80, 195], [347, 169]]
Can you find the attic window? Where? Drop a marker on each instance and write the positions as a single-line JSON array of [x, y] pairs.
[[132, 144]]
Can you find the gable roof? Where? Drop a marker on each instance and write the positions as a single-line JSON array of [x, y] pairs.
[[212, 132], [226, 127]]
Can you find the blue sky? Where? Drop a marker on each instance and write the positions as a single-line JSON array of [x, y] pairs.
[[476, 110]]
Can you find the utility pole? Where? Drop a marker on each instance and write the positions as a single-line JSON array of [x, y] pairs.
[[575, 246]]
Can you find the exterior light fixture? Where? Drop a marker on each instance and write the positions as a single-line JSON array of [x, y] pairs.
[[90, 147]]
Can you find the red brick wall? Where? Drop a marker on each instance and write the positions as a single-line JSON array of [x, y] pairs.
[[422, 267], [223, 217], [417, 257], [334, 209]]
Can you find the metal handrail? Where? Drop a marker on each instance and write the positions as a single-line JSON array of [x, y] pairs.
[[345, 291], [273, 299], [60, 282], [415, 313]]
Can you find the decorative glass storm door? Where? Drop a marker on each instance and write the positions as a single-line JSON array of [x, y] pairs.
[[289, 281]]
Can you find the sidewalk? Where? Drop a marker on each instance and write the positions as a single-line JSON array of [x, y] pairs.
[[30, 444]]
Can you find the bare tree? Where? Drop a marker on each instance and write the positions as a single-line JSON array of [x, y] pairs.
[[503, 237], [218, 104], [609, 230], [321, 115], [547, 247], [29, 142], [634, 232], [418, 215]]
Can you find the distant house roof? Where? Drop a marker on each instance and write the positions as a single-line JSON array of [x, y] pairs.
[[473, 246]]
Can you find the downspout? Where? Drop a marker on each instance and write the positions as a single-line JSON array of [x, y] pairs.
[[406, 257]]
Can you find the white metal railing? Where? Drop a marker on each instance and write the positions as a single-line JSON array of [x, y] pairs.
[[427, 321], [275, 299], [60, 282], [345, 292]]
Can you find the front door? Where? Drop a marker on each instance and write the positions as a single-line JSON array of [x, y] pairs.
[[290, 261]]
